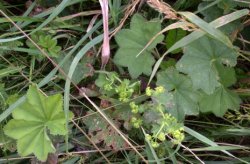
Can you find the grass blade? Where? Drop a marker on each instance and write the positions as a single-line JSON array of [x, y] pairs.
[[208, 28], [204, 139]]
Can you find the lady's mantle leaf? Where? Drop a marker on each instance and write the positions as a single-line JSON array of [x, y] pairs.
[[46, 42], [227, 75], [132, 41], [184, 98], [33, 119], [172, 37], [101, 131], [83, 69], [220, 101], [201, 59]]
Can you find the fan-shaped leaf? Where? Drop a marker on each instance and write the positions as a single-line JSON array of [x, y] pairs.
[[220, 101], [132, 41], [180, 93], [31, 123], [201, 60]]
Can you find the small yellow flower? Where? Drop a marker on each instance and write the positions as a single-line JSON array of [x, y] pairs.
[[136, 122], [154, 144], [149, 91], [161, 137], [148, 137], [137, 125], [133, 119], [134, 107], [178, 135], [159, 90], [132, 104]]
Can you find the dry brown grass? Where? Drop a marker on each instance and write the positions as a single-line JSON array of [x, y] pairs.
[[164, 8], [129, 10]]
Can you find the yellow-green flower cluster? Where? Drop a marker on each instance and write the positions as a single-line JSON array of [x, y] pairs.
[[149, 91], [124, 91], [175, 131], [161, 151], [169, 126], [158, 90], [136, 122], [153, 141], [134, 107], [161, 136], [169, 119], [155, 144], [178, 136], [110, 81], [108, 87], [148, 137], [124, 96]]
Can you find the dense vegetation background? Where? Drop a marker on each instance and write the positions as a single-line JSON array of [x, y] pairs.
[[132, 81]]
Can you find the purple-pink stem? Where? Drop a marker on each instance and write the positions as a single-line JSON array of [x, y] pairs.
[[105, 46]]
